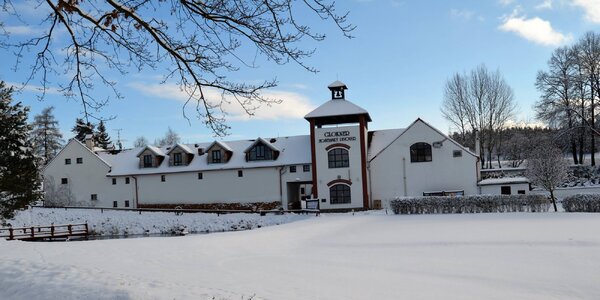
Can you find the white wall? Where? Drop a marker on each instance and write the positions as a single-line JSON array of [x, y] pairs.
[[218, 186], [352, 173], [86, 178], [443, 173], [288, 177], [497, 189]]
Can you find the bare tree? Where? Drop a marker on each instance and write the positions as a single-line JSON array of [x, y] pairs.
[[546, 168], [171, 138], [481, 101], [60, 196], [501, 108], [195, 44], [454, 107], [140, 141], [559, 94], [588, 52]]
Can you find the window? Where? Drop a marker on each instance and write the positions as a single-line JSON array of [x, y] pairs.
[[260, 152], [177, 159], [338, 158], [64, 181], [420, 152], [114, 181], [115, 204], [67, 161], [302, 191], [505, 190], [216, 156], [147, 161], [292, 169], [521, 192], [79, 160], [94, 196], [339, 194], [200, 176], [457, 153], [126, 203], [306, 168], [240, 173], [126, 180], [163, 178]]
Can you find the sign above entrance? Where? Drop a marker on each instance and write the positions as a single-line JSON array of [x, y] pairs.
[[337, 136]]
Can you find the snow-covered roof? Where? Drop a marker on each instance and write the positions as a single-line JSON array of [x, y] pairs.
[[293, 150], [337, 107], [262, 141], [381, 139], [337, 83], [373, 154], [505, 180], [183, 147], [153, 149]]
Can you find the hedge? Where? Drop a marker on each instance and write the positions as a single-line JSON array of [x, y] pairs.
[[470, 204], [582, 203]]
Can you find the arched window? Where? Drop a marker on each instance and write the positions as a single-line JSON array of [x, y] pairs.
[[338, 158], [339, 194], [420, 152]]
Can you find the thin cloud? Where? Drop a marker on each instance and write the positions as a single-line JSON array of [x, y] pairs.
[[293, 105], [506, 2], [534, 29], [545, 4], [22, 30], [591, 8], [462, 14], [35, 89]]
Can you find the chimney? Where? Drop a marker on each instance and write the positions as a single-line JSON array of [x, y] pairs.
[[478, 153], [89, 141]]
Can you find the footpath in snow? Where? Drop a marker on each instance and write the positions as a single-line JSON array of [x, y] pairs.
[[114, 222], [333, 256]]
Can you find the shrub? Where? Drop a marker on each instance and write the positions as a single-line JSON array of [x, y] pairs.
[[470, 204], [582, 203]]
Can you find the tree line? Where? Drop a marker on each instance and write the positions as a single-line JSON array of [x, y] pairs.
[[570, 88]]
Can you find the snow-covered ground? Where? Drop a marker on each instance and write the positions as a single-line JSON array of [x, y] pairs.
[[334, 256], [114, 222]]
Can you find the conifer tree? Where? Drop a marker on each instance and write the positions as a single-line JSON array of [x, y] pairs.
[[46, 137], [101, 136], [19, 179], [81, 129]]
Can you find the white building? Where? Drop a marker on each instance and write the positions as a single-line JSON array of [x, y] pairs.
[[341, 163]]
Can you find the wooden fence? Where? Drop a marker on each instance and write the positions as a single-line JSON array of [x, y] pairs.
[[50, 232]]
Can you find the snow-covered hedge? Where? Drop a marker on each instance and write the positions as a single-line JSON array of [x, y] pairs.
[[470, 204], [582, 203]]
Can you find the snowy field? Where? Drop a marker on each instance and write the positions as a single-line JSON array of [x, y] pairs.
[[334, 256], [114, 222]]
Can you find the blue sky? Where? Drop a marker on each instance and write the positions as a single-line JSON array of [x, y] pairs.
[[395, 67]]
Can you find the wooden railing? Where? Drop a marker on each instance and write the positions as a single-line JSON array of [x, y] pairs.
[[44, 232]]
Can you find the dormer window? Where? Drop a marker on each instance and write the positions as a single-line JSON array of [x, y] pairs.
[[150, 157], [147, 161], [260, 152], [180, 155], [261, 149], [216, 156], [218, 153], [177, 159]]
